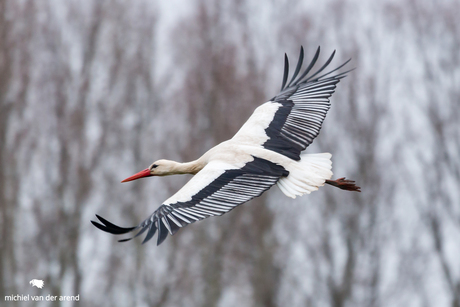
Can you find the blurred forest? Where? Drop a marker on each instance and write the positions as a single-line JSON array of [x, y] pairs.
[[93, 91]]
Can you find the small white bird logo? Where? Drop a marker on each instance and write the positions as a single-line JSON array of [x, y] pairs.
[[37, 283]]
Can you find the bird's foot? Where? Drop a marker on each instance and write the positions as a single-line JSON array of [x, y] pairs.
[[344, 184]]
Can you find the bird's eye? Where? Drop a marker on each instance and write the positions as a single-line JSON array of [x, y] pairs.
[[154, 166]]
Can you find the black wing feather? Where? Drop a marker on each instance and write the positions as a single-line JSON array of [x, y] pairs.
[[152, 229], [299, 66], [111, 228], [310, 66], [162, 232], [286, 71], [322, 68]]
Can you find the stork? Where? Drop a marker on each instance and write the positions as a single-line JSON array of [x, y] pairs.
[[267, 150]]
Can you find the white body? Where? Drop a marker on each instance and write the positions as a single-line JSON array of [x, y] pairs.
[[305, 176]]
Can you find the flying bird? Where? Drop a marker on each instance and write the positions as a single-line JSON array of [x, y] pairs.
[[267, 150]]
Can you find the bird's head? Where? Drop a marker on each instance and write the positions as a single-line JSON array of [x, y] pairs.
[[157, 168]]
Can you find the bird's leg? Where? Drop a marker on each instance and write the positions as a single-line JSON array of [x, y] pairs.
[[344, 184]]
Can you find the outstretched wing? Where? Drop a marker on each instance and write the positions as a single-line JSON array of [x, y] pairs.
[[215, 190], [290, 121]]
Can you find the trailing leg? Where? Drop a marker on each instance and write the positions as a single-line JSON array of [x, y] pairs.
[[344, 184]]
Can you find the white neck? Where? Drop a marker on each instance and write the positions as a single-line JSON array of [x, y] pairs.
[[174, 167], [192, 167]]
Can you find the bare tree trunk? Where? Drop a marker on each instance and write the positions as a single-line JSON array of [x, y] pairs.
[[7, 259], [14, 42]]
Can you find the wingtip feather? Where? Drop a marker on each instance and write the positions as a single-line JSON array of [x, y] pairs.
[[286, 71], [100, 226], [152, 229], [110, 227]]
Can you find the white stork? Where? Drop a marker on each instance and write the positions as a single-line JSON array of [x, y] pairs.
[[267, 150]]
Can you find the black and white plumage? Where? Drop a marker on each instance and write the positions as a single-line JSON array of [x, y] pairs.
[[301, 107], [267, 150]]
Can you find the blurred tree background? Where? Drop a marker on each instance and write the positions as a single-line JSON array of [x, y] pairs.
[[93, 91]]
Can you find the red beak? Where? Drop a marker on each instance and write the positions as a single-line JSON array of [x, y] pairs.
[[141, 174]]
